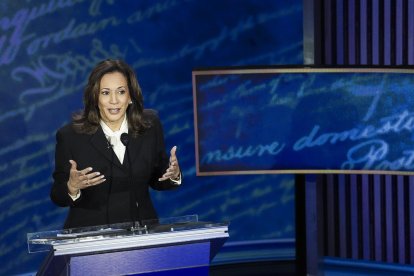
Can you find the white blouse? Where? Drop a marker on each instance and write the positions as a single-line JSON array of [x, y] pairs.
[[114, 138]]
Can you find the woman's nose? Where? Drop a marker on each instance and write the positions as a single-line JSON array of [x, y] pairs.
[[113, 98]]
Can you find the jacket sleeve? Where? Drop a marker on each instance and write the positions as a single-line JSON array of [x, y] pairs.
[[59, 193], [162, 159]]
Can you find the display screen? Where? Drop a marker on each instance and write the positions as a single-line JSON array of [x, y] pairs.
[[301, 120]]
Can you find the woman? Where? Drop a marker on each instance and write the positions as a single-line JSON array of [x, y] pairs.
[[111, 153]]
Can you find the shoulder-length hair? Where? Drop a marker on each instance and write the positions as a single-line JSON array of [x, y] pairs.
[[87, 120]]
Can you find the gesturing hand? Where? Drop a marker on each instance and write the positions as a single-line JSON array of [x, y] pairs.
[[173, 171], [82, 179]]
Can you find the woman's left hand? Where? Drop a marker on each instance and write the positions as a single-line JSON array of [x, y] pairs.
[[173, 171]]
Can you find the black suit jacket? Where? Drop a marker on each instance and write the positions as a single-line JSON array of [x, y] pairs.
[[114, 200]]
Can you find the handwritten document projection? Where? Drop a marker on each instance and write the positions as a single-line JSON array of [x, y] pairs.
[[49, 47], [304, 120]]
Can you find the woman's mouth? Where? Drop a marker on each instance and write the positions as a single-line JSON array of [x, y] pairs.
[[114, 110]]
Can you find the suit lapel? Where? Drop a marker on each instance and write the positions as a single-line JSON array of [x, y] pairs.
[[99, 142], [134, 146]]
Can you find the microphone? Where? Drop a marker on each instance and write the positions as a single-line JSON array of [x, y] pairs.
[[134, 204], [108, 143], [125, 140], [110, 147]]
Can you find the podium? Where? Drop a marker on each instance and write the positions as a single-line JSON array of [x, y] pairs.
[[164, 247]]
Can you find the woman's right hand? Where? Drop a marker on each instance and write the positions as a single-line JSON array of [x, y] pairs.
[[82, 179]]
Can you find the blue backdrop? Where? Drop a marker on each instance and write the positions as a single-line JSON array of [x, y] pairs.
[[47, 49]]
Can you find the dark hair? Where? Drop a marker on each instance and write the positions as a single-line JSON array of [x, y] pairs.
[[87, 120]]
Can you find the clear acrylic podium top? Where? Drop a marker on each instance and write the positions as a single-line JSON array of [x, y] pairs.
[[121, 235]]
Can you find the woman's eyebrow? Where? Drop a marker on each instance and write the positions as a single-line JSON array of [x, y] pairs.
[[107, 88]]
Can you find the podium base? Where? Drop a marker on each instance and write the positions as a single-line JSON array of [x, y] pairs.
[[183, 259]]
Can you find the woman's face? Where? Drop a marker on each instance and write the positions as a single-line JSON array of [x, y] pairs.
[[113, 99]]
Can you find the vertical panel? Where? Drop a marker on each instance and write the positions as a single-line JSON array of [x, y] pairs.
[[312, 47], [366, 240], [411, 218], [363, 34], [348, 217], [375, 32], [384, 221], [342, 210], [393, 42], [399, 32], [354, 216], [330, 215], [400, 219], [381, 32], [351, 32], [410, 33], [357, 32], [339, 32], [404, 33], [309, 234], [328, 32], [387, 32], [389, 220], [377, 218], [345, 31], [368, 15]]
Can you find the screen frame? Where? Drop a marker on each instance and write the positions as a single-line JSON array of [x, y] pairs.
[[288, 69]]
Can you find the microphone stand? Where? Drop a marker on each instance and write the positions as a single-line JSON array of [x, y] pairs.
[[134, 210], [110, 147]]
